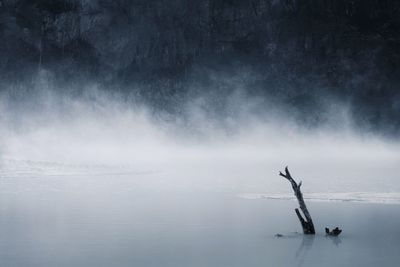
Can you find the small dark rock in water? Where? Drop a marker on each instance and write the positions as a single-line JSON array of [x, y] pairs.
[[278, 235], [334, 232]]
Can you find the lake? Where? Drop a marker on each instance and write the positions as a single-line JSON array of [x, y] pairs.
[[101, 220]]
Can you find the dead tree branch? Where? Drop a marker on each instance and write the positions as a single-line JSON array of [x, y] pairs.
[[306, 223]]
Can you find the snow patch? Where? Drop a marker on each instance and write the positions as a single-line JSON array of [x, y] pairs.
[[364, 197]]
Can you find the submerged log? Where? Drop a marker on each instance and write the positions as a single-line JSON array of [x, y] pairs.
[[334, 232], [306, 223]]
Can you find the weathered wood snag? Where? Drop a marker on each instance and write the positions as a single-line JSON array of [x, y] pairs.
[[334, 232], [307, 223]]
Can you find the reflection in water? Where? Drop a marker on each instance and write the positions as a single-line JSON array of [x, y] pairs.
[[305, 245], [335, 239]]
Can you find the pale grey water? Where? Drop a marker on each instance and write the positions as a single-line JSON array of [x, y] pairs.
[[110, 221]]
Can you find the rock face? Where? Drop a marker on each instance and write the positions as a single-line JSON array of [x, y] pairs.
[[295, 48], [159, 34]]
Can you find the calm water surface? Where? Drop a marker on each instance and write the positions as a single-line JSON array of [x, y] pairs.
[[99, 221]]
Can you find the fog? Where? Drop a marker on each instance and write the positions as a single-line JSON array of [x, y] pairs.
[[238, 148], [103, 178]]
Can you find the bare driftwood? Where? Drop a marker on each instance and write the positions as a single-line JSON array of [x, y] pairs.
[[306, 223], [334, 232]]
